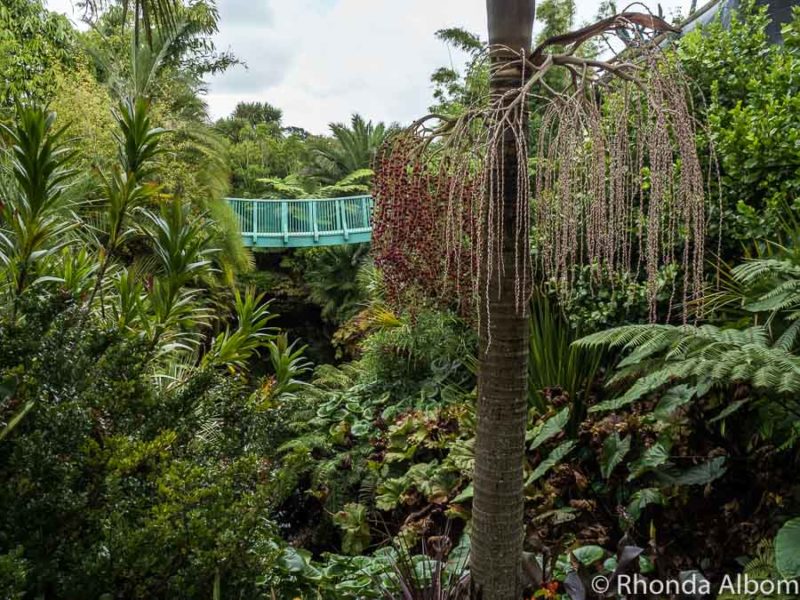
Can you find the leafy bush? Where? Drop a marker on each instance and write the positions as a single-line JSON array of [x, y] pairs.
[[34, 43], [412, 352], [753, 116], [13, 574]]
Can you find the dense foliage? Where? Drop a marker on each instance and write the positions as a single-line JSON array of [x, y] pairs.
[[35, 45], [753, 119], [163, 433]]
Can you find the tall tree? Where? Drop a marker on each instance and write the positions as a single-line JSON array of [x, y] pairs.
[[258, 112], [555, 16], [35, 44], [497, 524], [148, 16], [454, 198]]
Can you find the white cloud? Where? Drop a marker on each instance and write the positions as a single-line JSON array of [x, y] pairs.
[[246, 11], [368, 56], [66, 7], [322, 60]]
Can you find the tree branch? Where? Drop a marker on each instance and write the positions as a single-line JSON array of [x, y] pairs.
[[620, 21]]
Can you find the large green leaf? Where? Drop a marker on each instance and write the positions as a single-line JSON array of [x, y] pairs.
[[352, 520], [643, 498], [588, 555], [655, 456], [552, 460], [389, 493], [672, 400], [614, 451], [458, 558], [465, 495], [701, 474], [549, 429], [362, 428], [787, 549], [294, 560]]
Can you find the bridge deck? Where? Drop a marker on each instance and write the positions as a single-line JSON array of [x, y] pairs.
[[303, 223]]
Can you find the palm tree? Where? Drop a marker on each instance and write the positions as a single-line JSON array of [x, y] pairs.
[[497, 516], [351, 149], [148, 15]]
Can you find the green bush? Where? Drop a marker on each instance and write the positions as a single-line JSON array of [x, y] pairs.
[[409, 354], [114, 486], [752, 106]]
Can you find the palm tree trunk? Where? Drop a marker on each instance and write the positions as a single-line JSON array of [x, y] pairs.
[[497, 518]]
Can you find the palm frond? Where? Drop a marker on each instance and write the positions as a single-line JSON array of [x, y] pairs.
[[353, 149], [148, 16]]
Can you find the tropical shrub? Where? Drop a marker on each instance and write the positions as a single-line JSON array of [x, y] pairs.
[[703, 407], [124, 468], [752, 112], [34, 45], [331, 275]]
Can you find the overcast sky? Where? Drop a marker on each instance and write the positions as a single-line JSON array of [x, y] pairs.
[[321, 60]]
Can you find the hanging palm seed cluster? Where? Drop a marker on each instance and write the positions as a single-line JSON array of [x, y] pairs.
[[411, 226], [617, 182], [439, 208], [619, 185]]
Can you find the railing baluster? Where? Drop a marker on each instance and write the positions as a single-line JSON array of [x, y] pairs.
[[254, 205], [340, 206], [285, 221], [326, 211], [365, 211], [314, 225]]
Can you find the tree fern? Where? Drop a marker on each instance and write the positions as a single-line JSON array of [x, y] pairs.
[[355, 184], [718, 356]]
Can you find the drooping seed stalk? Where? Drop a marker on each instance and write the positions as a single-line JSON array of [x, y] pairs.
[[617, 184]]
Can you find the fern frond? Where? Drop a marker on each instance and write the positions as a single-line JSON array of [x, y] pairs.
[[621, 336], [751, 271], [662, 355]]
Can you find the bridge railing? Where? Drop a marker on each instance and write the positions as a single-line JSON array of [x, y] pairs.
[[304, 222]]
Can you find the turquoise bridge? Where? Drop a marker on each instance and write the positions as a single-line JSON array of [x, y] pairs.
[[303, 223]]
